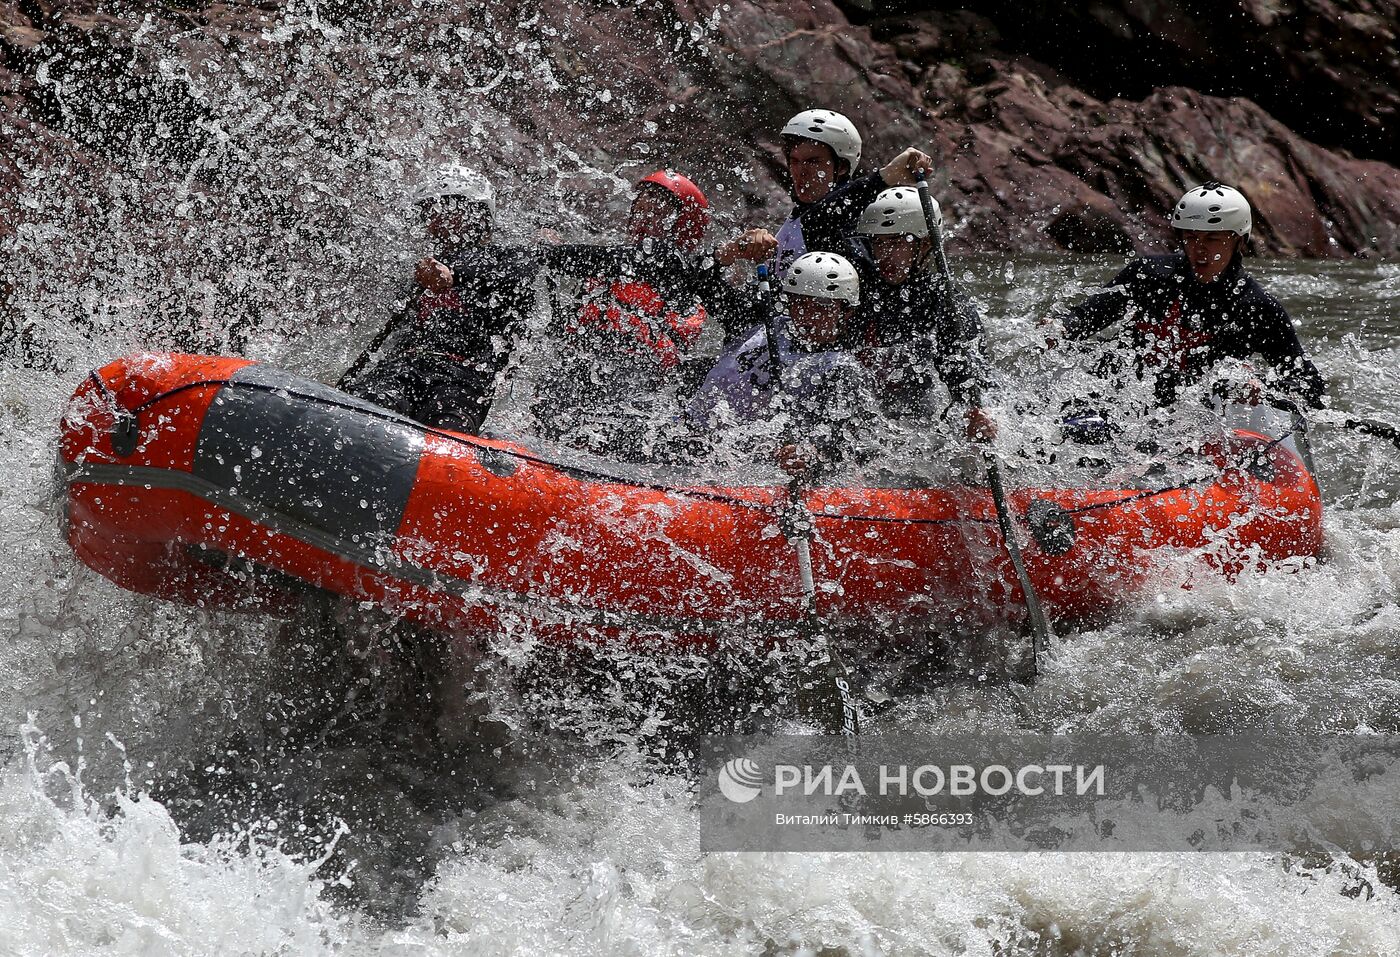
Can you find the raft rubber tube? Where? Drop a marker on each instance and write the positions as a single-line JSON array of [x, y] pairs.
[[222, 483]]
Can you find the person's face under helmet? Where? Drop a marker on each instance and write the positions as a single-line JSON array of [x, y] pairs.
[[822, 149], [681, 215], [814, 169], [653, 214], [898, 257], [818, 323], [822, 290], [897, 230], [1209, 252], [1214, 219]]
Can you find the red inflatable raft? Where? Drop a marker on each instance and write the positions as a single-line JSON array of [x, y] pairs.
[[219, 482]]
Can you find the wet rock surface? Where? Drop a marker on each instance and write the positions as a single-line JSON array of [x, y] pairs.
[[1038, 151], [1328, 69], [1034, 160]]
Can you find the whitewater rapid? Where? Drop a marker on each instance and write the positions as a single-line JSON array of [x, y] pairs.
[[109, 698], [143, 810]]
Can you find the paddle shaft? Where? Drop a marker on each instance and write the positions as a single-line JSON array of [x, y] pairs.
[[935, 230], [1302, 440], [796, 524], [1371, 427], [1041, 634], [371, 351]]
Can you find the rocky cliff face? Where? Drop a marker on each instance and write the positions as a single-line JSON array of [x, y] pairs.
[[280, 134], [1042, 156], [1328, 69]]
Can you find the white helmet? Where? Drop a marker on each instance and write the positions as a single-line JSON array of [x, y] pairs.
[[830, 128], [458, 181], [898, 212], [1214, 208], [823, 276]]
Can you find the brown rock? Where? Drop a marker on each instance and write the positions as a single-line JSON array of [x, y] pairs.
[[1035, 163], [1329, 69], [595, 96]]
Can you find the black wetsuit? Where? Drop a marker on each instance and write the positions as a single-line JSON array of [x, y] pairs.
[[1178, 328], [926, 325], [683, 281], [628, 340], [828, 224], [442, 364]]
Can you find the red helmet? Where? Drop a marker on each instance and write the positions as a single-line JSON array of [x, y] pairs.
[[695, 208]]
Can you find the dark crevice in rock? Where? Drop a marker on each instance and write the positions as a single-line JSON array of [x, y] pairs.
[[1330, 69]]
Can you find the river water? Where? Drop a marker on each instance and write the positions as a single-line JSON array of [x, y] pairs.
[[143, 810], [137, 814]]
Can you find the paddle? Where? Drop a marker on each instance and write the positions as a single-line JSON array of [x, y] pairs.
[[371, 351], [1041, 635], [1301, 439], [828, 674], [1370, 427], [1375, 429]]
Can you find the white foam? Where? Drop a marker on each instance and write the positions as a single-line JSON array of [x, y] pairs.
[[82, 876]]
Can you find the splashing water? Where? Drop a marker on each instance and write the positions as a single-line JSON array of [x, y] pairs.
[[258, 206]]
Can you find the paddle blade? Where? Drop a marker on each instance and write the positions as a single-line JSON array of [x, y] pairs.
[[825, 695]]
